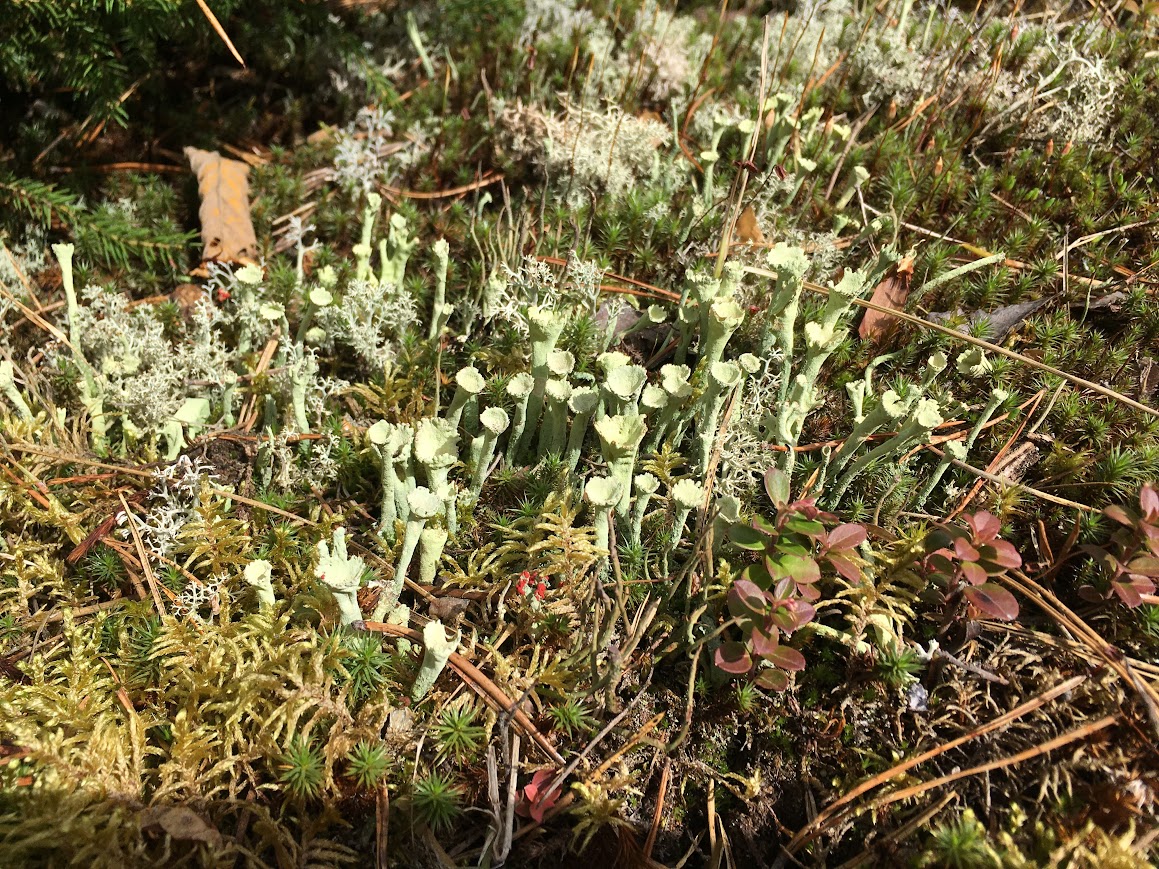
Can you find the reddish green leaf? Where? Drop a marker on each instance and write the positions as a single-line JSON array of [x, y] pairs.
[[777, 487], [764, 645], [1149, 501], [1145, 565], [810, 528], [802, 568], [793, 615], [992, 600], [1118, 514], [774, 680], [1005, 554], [746, 599], [786, 658], [847, 536], [760, 523], [845, 567], [733, 657], [758, 575], [975, 574]]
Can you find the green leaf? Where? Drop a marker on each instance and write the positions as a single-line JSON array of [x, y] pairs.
[[747, 538]]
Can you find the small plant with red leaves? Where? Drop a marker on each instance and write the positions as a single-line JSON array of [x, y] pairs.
[[532, 586], [968, 559], [537, 800], [773, 597], [1131, 561]]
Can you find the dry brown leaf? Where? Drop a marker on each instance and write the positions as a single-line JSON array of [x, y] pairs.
[[747, 228], [892, 292], [182, 824], [227, 232]]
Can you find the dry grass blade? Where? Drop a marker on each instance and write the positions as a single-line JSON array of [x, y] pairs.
[[1069, 621], [658, 814], [918, 822], [146, 568], [1050, 745], [994, 478], [813, 829]]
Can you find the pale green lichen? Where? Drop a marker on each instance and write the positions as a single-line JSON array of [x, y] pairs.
[[342, 574]]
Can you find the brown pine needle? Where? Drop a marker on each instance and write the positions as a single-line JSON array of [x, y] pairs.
[[219, 30]]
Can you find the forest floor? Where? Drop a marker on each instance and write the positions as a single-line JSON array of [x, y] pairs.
[[553, 433]]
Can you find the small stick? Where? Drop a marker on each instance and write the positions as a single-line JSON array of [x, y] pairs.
[[482, 685], [665, 774], [381, 825]]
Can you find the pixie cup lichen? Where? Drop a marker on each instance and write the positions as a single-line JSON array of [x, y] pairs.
[[342, 574]]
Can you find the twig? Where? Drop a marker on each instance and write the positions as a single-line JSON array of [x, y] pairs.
[[482, 686], [994, 478], [381, 825], [485, 181], [658, 814]]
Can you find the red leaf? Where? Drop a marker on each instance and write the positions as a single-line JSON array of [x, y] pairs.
[[1149, 501], [845, 536], [845, 567], [1142, 584], [763, 644], [1127, 592], [809, 592], [975, 574], [965, 551], [537, 801], [984, 524], [786, 659], [733, 657], [993, 600]]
